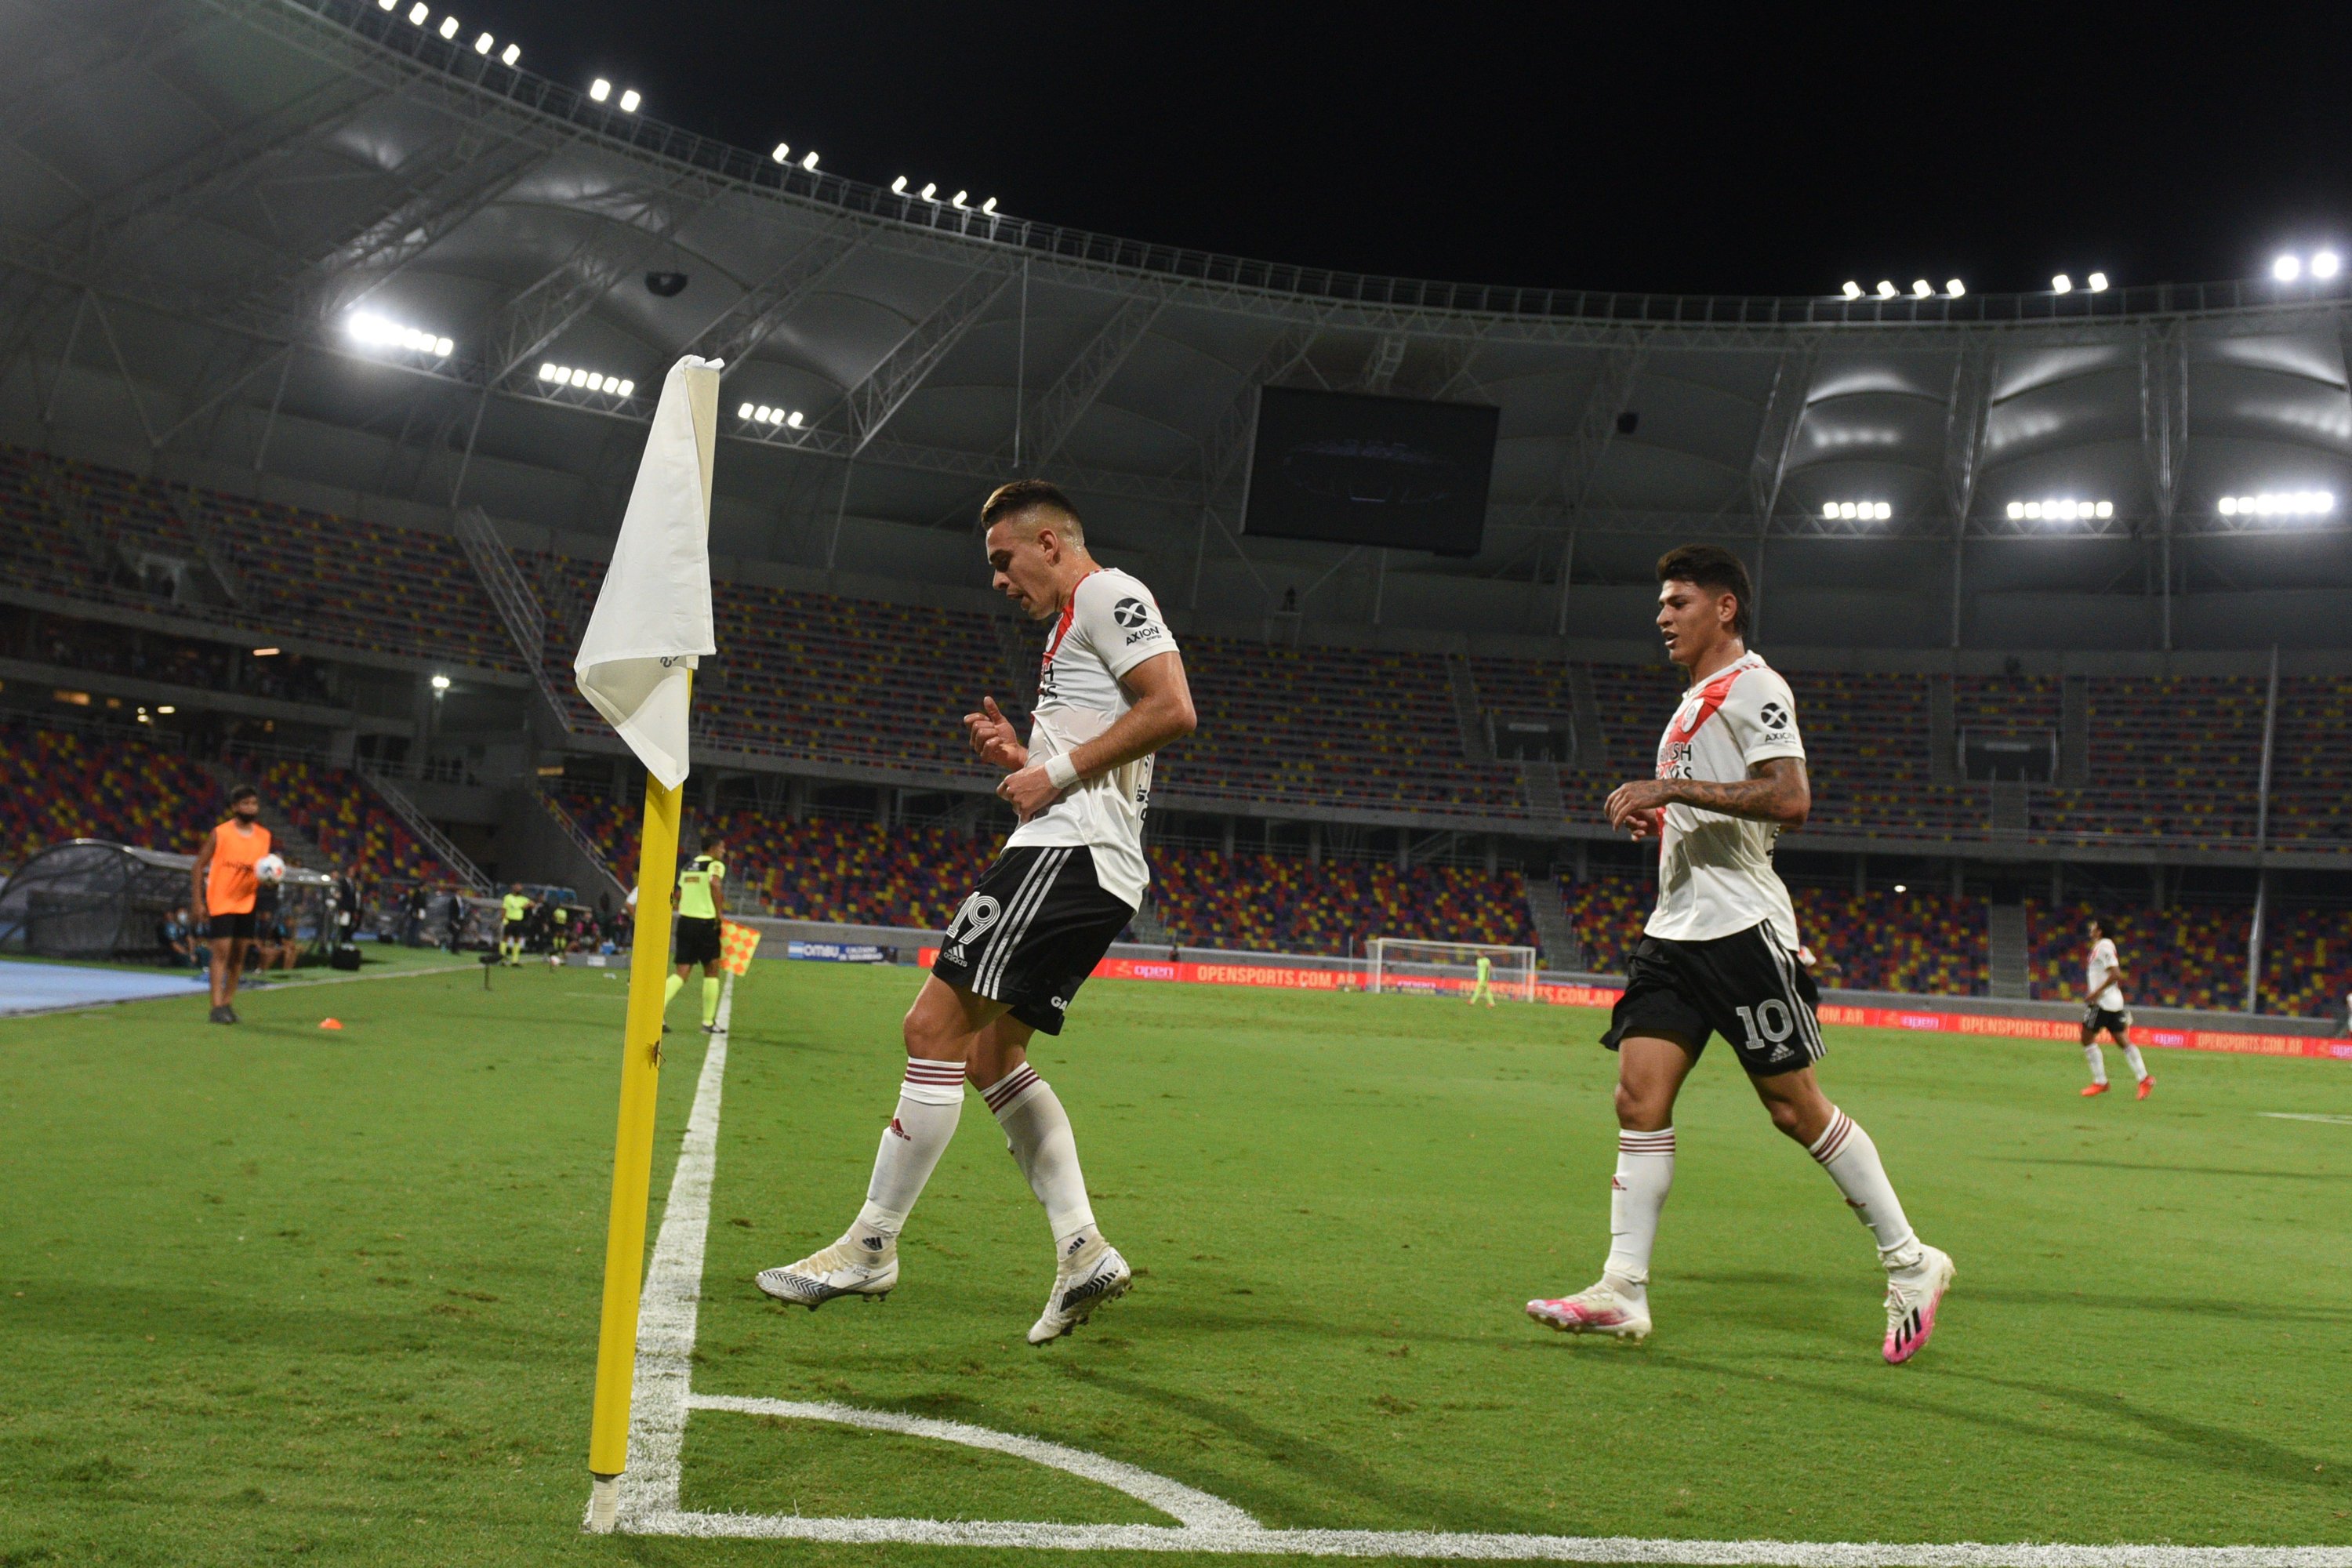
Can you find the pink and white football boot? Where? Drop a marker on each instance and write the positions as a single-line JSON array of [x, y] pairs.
[[1913, 1295], [1599, 1308]]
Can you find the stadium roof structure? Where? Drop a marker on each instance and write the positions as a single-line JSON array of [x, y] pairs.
[[319, 238]]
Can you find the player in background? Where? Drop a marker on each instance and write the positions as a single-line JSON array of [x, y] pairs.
[[224, 886], [2104, 1009], [1719, 955], [1484, 985], [700, 899], [1110, 692], [516, 909]]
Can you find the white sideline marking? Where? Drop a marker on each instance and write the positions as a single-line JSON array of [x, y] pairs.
[[2306, 1116], [663, 1398]]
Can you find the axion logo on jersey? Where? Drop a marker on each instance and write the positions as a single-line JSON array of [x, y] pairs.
[[1774, 716], [1131, 613]]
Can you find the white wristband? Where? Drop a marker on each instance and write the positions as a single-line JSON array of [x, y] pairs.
[[1060, 771]]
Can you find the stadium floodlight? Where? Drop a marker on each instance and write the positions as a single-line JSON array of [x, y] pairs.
[[2061, 284], [444, 347], [440, 683], [266, 652], [1953, 289], [1920, 289], [931, 192], [794, 419], [898, 186], [629, 101], [2325, 264], [989, 207], [1858, 511], [2287, 269], [957, 200], [2280, 503], [549, 371], [627, 388], [387, 4], [1885, 289], [744, 412], [448, 27], [762, 413], [2098, 282], [783, 152], [1852, 289], [485, 44], [167, 708], [809, 162], [600, 89], [1901, 888], [2060, 509], [510, 54], [418, 12]]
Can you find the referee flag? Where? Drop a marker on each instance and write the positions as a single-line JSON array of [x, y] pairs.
[[736, 943]]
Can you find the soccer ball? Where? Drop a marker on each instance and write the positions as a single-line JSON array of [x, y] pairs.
[[270, 868]]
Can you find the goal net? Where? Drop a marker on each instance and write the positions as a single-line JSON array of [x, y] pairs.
[[1449, 968]]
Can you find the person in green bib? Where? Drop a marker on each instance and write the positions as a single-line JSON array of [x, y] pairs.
[[1486, 987], [700, 899], [516, 907]]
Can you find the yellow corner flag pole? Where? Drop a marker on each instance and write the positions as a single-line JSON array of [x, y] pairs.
[[652, 622], [633, 1153]]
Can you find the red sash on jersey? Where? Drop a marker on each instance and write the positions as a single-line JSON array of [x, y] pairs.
[[1710, 698], [1062, 626]]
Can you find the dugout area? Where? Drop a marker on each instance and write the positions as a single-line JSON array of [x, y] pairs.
[[334, 1296]]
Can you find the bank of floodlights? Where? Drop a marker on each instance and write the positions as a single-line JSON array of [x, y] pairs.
[[2321, 266], [1920, 289], [2064, 509], [1857, 511], [2096, 283], [2280, 503], [600, 89], [377, 333], [554, 375], [761, 414]]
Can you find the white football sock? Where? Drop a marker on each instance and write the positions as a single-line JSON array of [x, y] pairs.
[[1850, 1157], [1037, 1130], [2131, 1059], [2098, 1060], [931, 1103], [1637, 1195]]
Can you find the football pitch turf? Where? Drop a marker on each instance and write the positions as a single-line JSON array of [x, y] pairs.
[[273, 1292]]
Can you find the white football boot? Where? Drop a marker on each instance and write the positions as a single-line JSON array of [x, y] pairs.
[[844, 1268], [1092, 1274], [1599, 1309], [1913, 1296]]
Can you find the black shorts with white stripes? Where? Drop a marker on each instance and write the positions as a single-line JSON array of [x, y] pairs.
[[1746, 987], [1031, 933]]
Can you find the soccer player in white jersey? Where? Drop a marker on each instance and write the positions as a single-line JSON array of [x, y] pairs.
[[2104, 1009], [1720, 954], [1110, 692]]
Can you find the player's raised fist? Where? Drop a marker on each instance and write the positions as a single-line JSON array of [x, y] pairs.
[[992, 736], [1028, 792]]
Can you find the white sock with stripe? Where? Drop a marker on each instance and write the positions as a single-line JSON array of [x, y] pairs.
[[931, 1103], [2098, 1060], [1637, 1195], [1037, 1130], [1850, 1157], [2131, 1060]]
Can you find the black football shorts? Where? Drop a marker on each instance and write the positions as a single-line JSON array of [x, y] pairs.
[[2116, 1021], [1032, 931], [1746, 987], [697, 939]]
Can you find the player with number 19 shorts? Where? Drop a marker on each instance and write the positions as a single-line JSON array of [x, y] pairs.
[[1110, 692]]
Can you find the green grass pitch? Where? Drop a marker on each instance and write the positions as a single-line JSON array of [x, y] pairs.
[[271, 1292]]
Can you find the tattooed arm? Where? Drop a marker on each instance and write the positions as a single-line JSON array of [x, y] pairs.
[[1775, 790]]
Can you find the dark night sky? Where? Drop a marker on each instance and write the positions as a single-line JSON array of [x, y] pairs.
[[1772, 150]]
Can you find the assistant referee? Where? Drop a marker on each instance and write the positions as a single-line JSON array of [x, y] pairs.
[[700, 899]]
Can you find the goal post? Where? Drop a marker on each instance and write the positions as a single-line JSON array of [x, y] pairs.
[[1447, 968]]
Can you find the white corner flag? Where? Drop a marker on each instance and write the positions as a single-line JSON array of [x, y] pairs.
[[651, 619]]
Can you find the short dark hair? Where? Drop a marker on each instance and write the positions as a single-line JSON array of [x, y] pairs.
[[1712, 567], [2099, 923], [1031, 495], [242, 792]]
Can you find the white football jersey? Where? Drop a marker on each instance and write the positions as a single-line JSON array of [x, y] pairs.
[[1111, 625], [2099, 982], [1715, 872]]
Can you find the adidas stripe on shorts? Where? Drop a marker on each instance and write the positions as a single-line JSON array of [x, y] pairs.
[[1032, 931], [1746, 987]]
